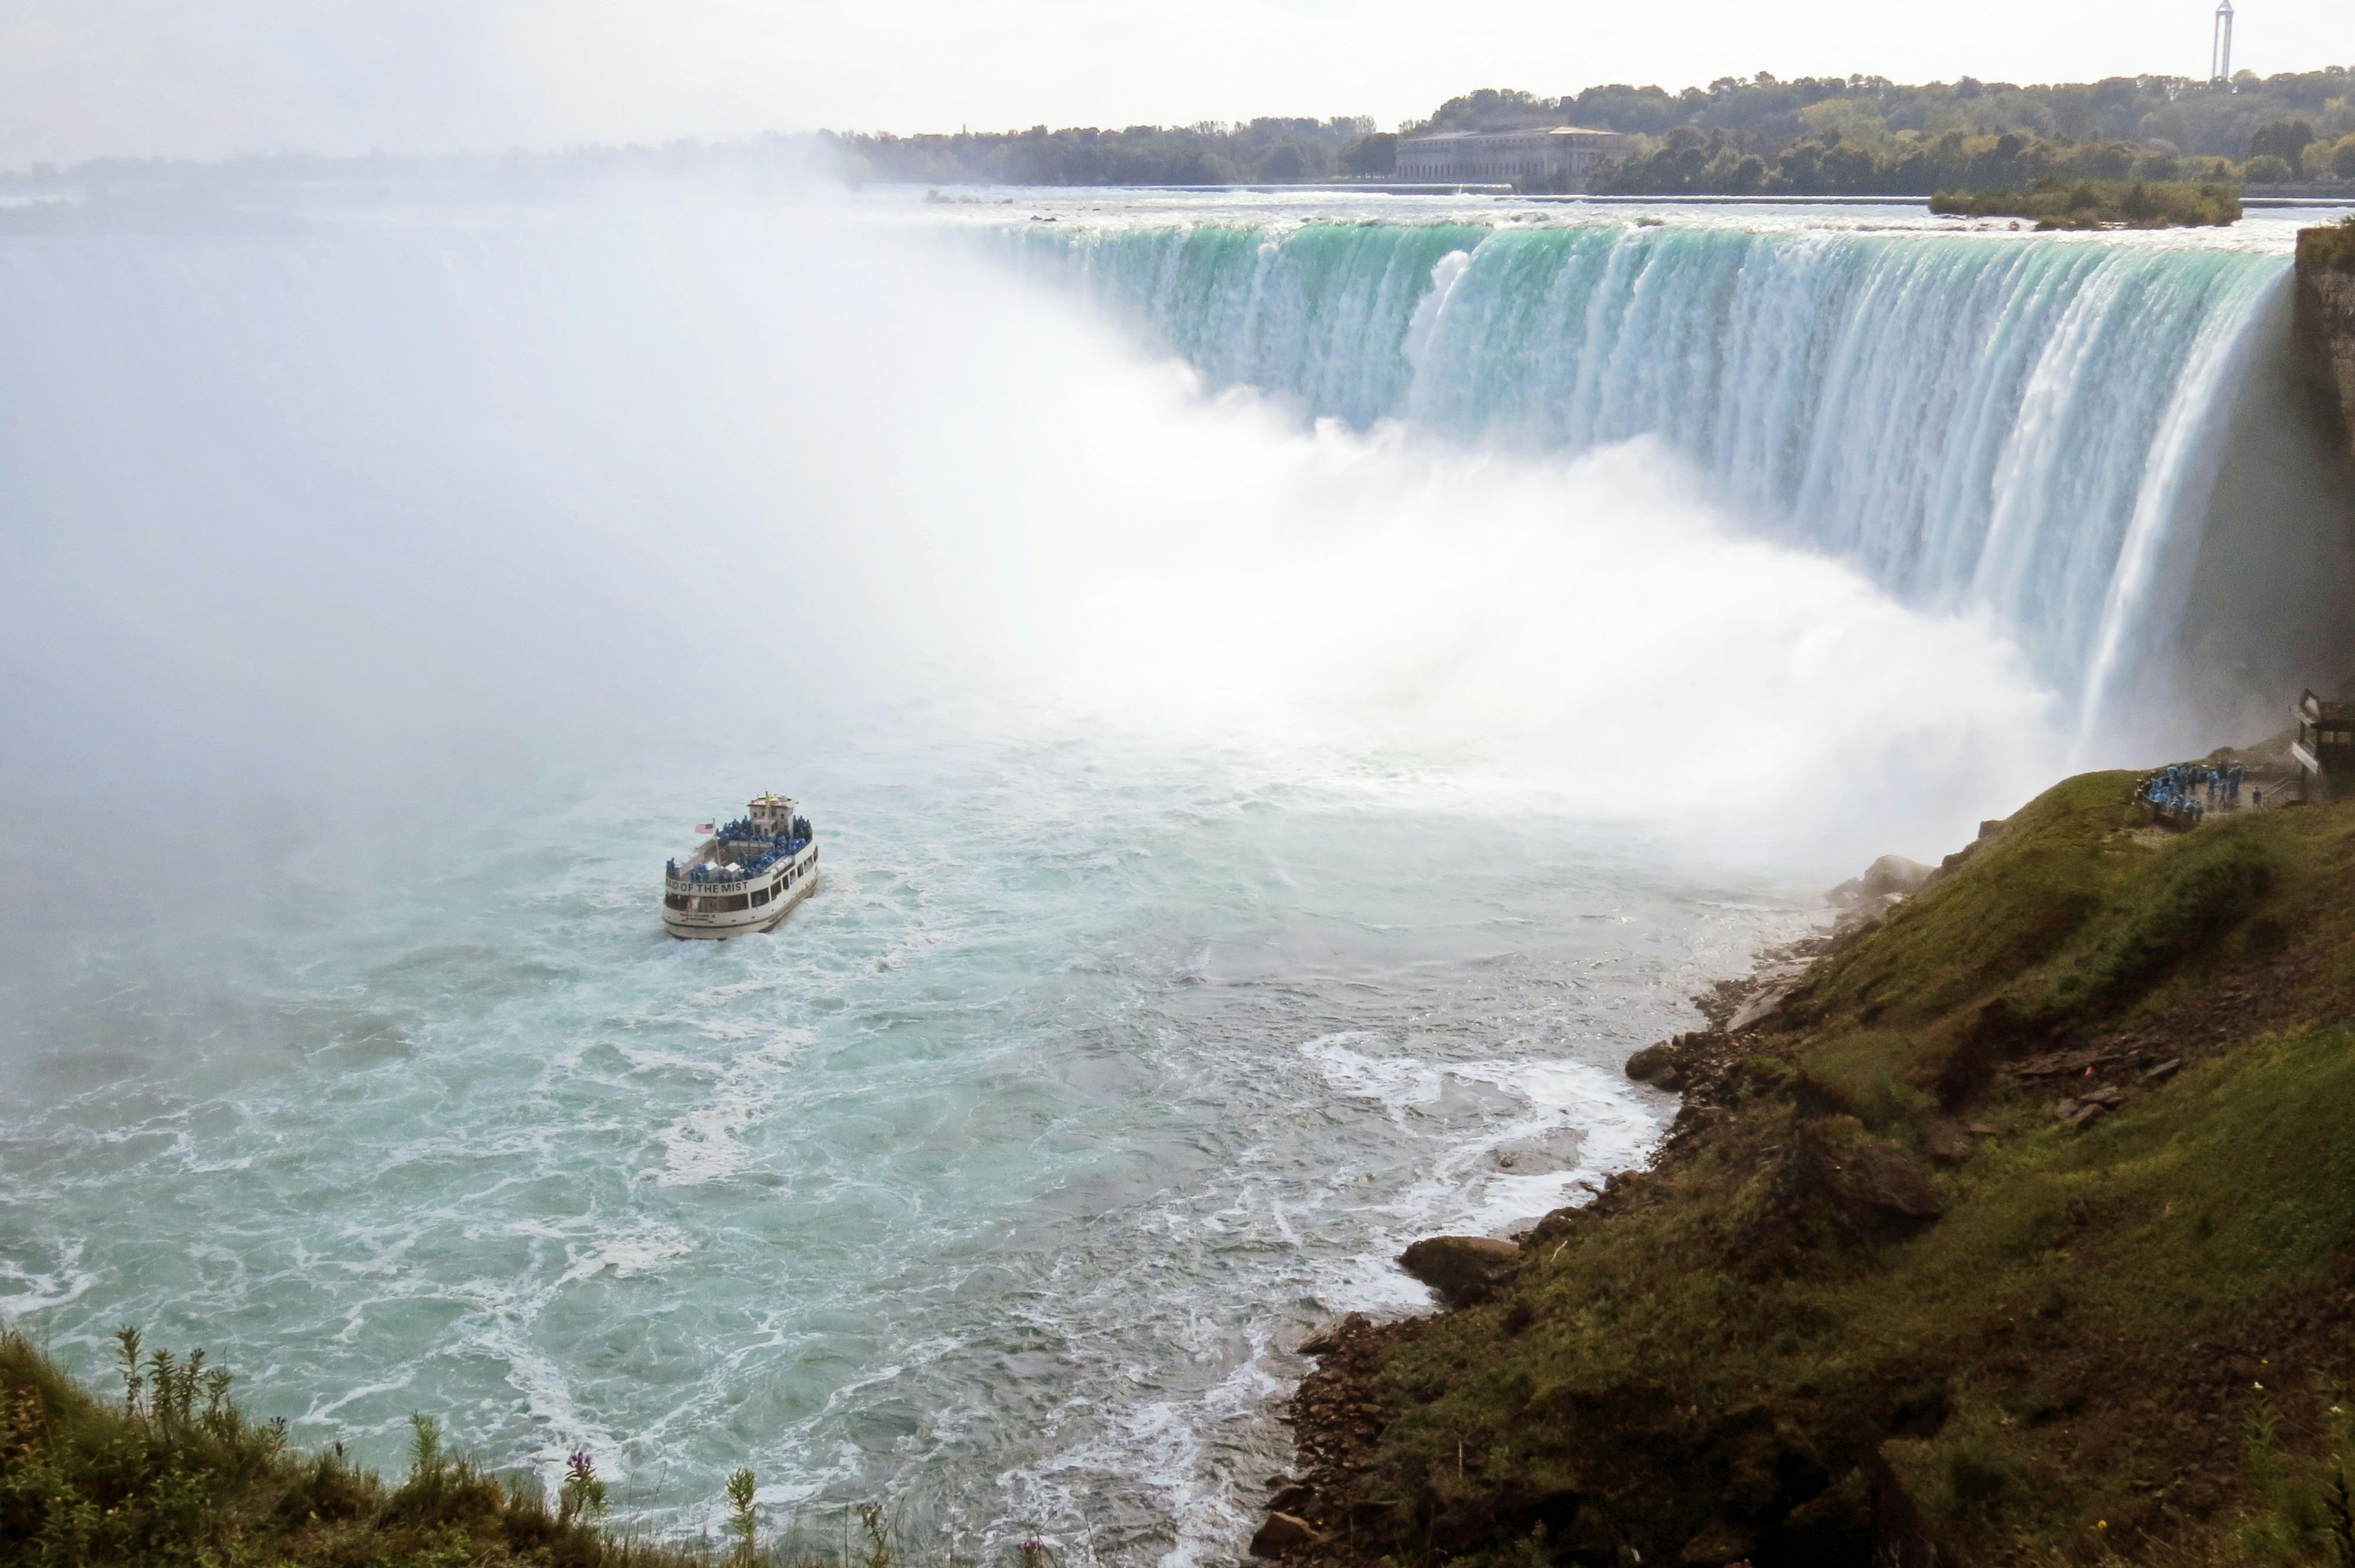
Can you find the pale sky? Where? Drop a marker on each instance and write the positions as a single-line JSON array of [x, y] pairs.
[[211, 78]]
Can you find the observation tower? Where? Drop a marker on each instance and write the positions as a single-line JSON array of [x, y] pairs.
[[2220, 47]]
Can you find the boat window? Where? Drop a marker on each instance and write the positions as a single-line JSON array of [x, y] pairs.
[[674, 901], [728, 905], [760, 897]]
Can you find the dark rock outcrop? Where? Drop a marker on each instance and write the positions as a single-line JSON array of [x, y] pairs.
[[1658, 1065], [1872, 1173], [1891, 876], [1463, 1269], [2324, 327]]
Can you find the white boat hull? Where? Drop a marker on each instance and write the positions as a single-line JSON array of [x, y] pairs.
[[720, 915]]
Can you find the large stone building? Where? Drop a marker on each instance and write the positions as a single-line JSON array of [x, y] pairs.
[[1558, 156]]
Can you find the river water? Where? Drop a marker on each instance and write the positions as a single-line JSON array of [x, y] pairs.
[[1255, 825]]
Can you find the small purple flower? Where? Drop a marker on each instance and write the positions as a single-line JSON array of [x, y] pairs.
[[579, 1466]]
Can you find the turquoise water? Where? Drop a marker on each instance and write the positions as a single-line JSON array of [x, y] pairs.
[[999, 1181]]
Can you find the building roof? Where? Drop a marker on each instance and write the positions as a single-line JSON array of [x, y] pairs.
[[1489, 135], [2318, 711]]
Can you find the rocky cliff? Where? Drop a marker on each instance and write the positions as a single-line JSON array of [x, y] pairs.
[[2325, 325]]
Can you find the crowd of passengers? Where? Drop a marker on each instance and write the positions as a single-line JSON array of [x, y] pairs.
[[2186, 791], [771, 848]]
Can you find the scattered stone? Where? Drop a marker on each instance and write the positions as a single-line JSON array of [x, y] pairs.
[[2088, 1114], [1325, 1343], [2111, 1098], [2064, 1110], [1463, 1269], [2063, 1064], [1981, 1130], [1282, 1532], [1948, 1144], [2163, 1072]]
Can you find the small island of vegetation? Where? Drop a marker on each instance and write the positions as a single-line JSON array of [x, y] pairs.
[[2100, 204]]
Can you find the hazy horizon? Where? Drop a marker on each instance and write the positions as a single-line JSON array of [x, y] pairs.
[[137, 79]]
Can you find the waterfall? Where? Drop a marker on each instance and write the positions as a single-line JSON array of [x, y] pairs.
[[2017, 426]]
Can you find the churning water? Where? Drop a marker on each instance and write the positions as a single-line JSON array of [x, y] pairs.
[[1250, 842]]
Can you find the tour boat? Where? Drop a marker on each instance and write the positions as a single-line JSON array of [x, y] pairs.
[[746, 876]]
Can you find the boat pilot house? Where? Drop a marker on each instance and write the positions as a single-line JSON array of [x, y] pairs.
[[2326, 744]]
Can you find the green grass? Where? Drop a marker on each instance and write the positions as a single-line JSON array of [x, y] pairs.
[[2059, 203], [2060, 1364], [170, 1471]]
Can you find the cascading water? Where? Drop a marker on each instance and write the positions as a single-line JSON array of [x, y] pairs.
[[2019, 427]]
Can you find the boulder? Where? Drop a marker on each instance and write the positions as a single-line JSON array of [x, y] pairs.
[[1948, 1144], [1282, 1532], [1463, 1269], [1769, 995], [1295, 1499], [1656, 1065], [1878, 1174]]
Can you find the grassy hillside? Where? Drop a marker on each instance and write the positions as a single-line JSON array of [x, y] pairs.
[[1877, 1293]]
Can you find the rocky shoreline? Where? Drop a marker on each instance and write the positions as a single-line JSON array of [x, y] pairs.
[[1985, 1215], [1337, 1413]]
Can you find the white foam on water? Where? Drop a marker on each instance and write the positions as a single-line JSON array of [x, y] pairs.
[[705, 1144], [25, 1290], [1613, 1123]]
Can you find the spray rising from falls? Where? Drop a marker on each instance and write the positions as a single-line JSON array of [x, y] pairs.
[[2027, 429]]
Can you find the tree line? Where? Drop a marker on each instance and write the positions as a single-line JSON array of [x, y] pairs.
[[1814, 134], [1271, 150]]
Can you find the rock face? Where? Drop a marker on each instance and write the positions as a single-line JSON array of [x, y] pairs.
[[2324, 329], [1463, 1269], [1890, 876]]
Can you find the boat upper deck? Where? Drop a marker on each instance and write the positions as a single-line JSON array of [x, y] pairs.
[[746, 850]]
